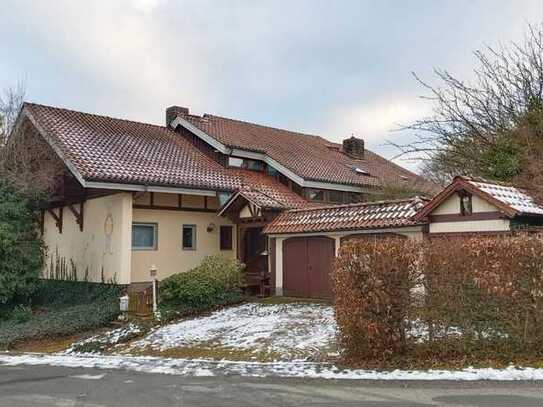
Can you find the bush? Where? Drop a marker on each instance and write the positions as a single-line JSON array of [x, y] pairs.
[[59, 322], [217, 281], [372, 283], [58, 292], [21, 313], [441, 301], [21, 249], [490, 289]]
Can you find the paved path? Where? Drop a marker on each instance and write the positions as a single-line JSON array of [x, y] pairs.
[[40, 386]]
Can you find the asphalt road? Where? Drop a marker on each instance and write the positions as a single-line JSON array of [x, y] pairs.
[[40, 386]]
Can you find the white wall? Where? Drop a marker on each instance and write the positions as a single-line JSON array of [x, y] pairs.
[[99, 246], [451, 206], [494, 225]]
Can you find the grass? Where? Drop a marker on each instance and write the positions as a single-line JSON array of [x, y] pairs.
[[277, 300], [209, 352]]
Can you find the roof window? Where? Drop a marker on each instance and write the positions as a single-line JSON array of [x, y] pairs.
[[359, 170]]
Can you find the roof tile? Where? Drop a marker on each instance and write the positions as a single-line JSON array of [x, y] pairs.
[[369, 215]]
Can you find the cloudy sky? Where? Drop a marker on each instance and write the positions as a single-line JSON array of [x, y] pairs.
[[333, 68]]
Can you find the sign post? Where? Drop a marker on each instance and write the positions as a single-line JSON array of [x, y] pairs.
[[153, 272]]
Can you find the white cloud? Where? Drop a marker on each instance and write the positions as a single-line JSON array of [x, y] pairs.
[[375, 122]]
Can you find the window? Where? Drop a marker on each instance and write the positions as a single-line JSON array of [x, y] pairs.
[[223, 197], [144, 236], [272, 171], [336, 196], [466, 208], [235, 162], [226, 237], [189, 237], [253, 165], [315, 194]]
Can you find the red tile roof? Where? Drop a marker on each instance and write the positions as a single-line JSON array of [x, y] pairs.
[[310, 157], [369, 215], [121, 151], [105, 149], [266, 192]]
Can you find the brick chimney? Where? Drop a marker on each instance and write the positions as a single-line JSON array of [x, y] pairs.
[[354, 147], [173, 111]]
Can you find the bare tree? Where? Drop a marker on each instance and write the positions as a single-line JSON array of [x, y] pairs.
[[27, 162], [472, 128], [10, 104]]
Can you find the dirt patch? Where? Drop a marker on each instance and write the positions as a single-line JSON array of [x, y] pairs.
[[45, 345]]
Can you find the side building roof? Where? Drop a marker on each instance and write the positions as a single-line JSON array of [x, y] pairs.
[[510, 200], [369, 215]]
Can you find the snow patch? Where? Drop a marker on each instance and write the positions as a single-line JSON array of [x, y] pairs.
[[201, 367], [107, 339], [89, 377], [286, 331]]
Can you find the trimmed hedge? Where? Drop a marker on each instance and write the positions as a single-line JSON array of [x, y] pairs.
[[57, 292], [59, 322], [216, 281], [440, 301], [372, 282]]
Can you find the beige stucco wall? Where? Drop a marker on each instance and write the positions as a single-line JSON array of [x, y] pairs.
[[94, 248], [495, 225], [170, 258], [452, 206]]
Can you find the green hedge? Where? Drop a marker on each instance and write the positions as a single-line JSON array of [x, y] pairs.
[[58, 292], [217, 281], [21, 248], [60, 321]]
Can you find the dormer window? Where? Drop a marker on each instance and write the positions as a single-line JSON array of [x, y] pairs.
[[466, 207]]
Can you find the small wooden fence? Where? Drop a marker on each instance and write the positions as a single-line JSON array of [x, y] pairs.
[[141, 302]]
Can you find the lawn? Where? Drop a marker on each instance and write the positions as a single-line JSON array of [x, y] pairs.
[[250, 332]]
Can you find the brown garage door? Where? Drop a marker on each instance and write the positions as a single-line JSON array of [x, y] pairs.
[[307, 266]]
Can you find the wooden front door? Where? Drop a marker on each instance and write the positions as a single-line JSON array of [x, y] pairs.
[[307, 266]]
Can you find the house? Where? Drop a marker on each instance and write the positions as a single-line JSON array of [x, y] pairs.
[[478, 206], [131, 195], [303, 242]]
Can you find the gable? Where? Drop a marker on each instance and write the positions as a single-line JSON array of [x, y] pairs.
[[451, 206], [250, 211]]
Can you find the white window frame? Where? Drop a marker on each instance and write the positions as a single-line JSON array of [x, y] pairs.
[[155, 235]]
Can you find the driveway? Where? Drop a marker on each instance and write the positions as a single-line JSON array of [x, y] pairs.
[[45, 386]]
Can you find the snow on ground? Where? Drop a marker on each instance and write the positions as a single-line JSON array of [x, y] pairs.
[[278, 331], [199, 367], [105, 340]]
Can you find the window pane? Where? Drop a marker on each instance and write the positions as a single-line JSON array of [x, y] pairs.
[[226, 237], [189, 237], [223, 197], [336, 196], [235, 162], [143, 236], [315, 194]]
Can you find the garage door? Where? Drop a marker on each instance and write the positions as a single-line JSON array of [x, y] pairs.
[[307, 266]]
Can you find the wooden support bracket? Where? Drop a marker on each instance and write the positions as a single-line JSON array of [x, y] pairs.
[[57, 218], [78, 214]]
